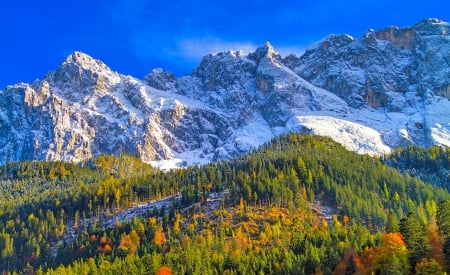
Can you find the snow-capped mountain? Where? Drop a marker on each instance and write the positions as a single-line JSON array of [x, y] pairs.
[[389, 88]]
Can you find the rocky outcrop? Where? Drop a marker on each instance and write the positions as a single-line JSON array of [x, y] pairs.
[[383, 68]]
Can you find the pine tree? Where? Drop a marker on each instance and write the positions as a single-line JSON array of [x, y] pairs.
[[392, 224], [415, 239], [443, 221], [443, 218], [446, 250]]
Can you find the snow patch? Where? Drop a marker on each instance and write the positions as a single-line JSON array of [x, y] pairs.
[[353, 136], [254, 134]]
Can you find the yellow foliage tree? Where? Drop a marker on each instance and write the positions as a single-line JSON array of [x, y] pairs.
[[130, 243], [158, 237]]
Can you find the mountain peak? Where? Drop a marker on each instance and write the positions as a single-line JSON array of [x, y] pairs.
[[432, 26], [77, 57], [79, 68], [85, 61], [265, 51], [160, 79]]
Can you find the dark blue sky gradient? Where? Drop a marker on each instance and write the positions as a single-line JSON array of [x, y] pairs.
[[134, 36]]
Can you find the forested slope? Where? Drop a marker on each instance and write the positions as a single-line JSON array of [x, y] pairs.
[[429, 164], [262, 213]]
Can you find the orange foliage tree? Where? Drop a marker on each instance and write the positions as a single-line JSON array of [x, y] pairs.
[[351, 264], [104, 245], [391, 256], [158, 237], [164, 270], [130, 243], [436, 242]]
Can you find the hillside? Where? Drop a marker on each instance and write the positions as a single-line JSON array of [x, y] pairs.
[[299, 204], [429, 164]]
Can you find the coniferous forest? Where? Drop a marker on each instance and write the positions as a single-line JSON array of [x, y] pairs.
[[298, 205]]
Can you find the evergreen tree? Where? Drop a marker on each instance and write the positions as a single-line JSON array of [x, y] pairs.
[[443, 218], [392, 224], [415, 239], [443, 221]]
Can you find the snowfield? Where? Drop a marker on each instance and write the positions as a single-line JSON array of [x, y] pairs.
[[353, 136]]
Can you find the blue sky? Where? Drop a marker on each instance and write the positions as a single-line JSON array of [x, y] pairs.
[[134, 36]]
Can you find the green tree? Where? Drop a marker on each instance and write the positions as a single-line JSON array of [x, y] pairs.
[[392, 224], [415, 239], [443, 218], [428, 267], [446, 250], [443, 221]]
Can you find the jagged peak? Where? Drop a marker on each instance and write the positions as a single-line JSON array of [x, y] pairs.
[[431, 21], [216, 66], [231, 53], [85, 61], [265, 51], [223, 56], [81, 68], [405, 37], [77, 56], [432, 26], [160, 79], [336, 40], [338, 37], [17, 86]]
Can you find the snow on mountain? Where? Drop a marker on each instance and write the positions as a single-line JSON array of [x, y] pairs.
[[355, 137], [386, 89]]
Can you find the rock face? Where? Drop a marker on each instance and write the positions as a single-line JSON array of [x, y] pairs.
[[398, 70], [386, 89]]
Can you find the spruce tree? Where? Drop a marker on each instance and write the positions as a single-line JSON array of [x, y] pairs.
[[392, 224], [415, 239]]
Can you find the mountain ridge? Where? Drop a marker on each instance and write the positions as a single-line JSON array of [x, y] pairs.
[[386, 89]]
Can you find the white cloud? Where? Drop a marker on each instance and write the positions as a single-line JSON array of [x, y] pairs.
[[196, 48]]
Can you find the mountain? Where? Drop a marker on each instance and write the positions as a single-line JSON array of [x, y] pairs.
[[386, 89]]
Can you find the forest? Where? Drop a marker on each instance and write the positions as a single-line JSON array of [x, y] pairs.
[[429, 164], [300, 204]]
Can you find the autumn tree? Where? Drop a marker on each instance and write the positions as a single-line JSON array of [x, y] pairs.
[[164, 270], [177, 224], [428, 267], [436, 241], [158, 237], [130, 243], [350, 264], [391, 256]]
